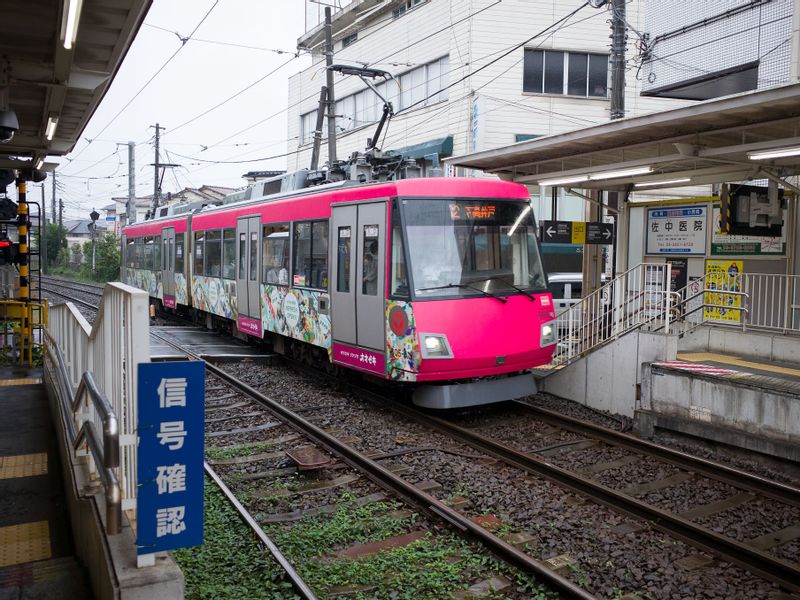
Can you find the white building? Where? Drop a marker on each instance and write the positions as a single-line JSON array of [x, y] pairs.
[[472, 76]]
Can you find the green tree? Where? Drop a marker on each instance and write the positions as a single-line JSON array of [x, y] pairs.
[[56, 242], [107, 258]]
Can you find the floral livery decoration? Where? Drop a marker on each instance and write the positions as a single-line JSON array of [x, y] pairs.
[[215, 295], [402, 346], [181, 291], [295, 313], [144, 279]]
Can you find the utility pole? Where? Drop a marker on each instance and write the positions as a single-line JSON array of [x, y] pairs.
[[60, 213], [329, 84], [53, 199], [156, 178], [619, 38], [43, 234], [130, 207], [323, 94]]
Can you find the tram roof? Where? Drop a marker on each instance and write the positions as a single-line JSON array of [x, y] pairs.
[[707, 142]]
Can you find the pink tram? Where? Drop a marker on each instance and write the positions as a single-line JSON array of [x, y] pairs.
[[436, 282]]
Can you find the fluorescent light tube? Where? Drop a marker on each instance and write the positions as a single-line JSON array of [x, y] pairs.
[[563, 180], [665, 182], [621, 173], [39, 164], [776, 153], [52, 123], [70, 18]]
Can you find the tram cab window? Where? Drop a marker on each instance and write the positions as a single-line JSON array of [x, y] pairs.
[[229, 254], [311, 254], [275, 254], [399, 277], [179, 253], [198, 252]]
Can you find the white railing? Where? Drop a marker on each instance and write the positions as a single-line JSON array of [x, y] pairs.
[[639, 297], [110, 349], [744, 300]]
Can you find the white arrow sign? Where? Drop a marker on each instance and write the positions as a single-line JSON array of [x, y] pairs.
[[607, 234], [550, 231]]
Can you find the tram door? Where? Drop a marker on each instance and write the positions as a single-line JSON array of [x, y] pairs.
[[168, 266], [248, 231], [358, 282]]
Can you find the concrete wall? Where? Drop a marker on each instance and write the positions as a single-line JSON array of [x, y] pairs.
[[607, 378], [732, 412], [752, 344]]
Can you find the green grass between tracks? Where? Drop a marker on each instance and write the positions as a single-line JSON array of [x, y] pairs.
[[229, 564]]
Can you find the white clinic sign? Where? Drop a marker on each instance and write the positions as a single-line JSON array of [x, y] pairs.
[[676, 231]]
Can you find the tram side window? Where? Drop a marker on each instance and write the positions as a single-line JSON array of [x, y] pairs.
[[198, 253], [369, 275], [179, 253], [148, 253], [212, 254], [157, 253], [399, 272], [229, 254], [344, 255], [311, 254], [275, 254], [130, 253]]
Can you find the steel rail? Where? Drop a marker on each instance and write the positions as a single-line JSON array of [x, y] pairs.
[[300, 586], [75, 285], [756, 561], [765, 487], [388, 480], [70, 298]]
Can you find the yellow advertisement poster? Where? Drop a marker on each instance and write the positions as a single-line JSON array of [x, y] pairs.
[[725, 276]]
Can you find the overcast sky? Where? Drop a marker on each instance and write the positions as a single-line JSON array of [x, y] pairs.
[[200, 76]]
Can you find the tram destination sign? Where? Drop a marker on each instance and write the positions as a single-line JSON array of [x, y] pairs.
[[577, 232], [170, 476]]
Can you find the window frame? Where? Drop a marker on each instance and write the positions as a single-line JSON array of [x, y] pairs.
[[567, 57], [206, 252], [265, 264], [202, 234], [223, 273], [294, 255]]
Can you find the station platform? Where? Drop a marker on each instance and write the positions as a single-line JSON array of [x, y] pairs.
[[208, 344], [741, 401], [36, 547]]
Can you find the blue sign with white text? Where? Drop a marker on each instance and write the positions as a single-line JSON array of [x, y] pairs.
[[169, 504]]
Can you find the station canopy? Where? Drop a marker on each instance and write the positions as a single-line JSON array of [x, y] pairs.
[[747, 136], [46, 82]]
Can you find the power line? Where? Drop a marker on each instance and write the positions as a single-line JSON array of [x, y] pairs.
[[147, 83]]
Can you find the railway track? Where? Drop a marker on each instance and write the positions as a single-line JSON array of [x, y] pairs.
[[378, 474]]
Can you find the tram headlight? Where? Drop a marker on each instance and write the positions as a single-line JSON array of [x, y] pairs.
[[435, 345], [547, 336]]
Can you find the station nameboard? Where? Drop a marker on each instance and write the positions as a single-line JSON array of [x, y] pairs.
[[676, 230], [169, 495]]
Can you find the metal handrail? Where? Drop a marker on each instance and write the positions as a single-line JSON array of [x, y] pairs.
[[110, 424], [107, 457]]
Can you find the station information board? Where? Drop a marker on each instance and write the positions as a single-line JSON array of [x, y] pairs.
[[169, 499]]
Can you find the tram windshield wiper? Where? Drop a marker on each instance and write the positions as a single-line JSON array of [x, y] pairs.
[[509, 284], [461, 286]]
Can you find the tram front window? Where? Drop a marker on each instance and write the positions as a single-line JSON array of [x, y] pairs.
[[472, 247]]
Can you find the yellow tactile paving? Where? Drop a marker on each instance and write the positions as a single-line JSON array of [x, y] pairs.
[[24, 543], [23, 381], [738, 362], [23, 465]]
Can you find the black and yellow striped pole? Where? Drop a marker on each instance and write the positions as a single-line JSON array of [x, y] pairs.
[[24, 280], [22, 229]]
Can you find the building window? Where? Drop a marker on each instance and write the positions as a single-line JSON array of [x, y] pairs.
[[311, 254], [307, 123], [566, 73], [524, 137], [349, 39], [405, 7]]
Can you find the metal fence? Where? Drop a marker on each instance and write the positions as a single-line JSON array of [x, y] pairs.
[[110, 349], [744, 300], [636, 298]]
